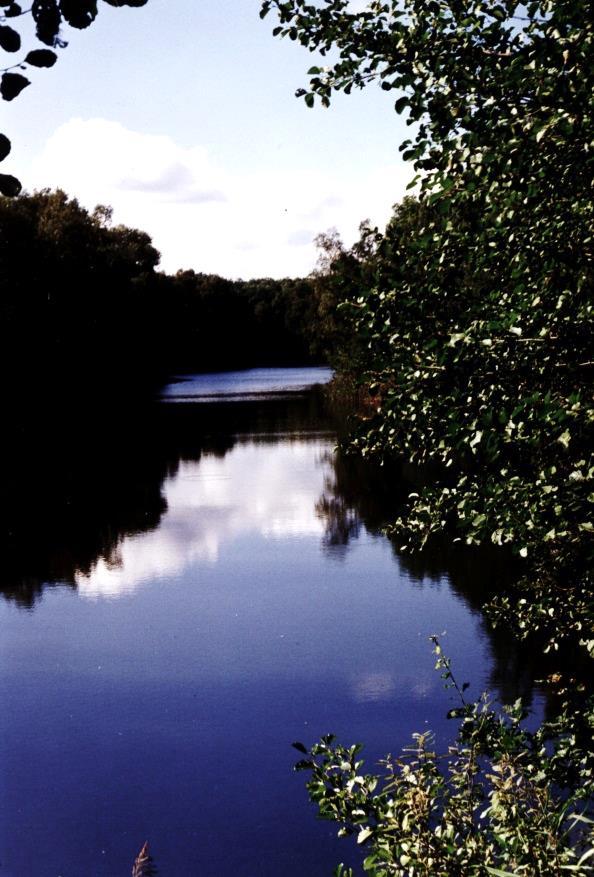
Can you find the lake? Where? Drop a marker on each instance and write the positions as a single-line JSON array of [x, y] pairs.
[[187, 589]]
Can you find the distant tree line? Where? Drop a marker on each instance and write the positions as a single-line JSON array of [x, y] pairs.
[[216, 323], [83, 305]]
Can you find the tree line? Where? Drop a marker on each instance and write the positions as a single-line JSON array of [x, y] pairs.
[[84, 305]]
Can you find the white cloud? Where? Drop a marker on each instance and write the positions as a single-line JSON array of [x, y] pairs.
[[203, 215]]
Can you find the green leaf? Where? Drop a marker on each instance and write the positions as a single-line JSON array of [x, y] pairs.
[[48, 19], [80, 13], [12, 10], [455, 713], [498, 873], [4, 147], [303, 765]]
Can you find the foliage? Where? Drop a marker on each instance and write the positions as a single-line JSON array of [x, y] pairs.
[[75, 292], [478, 320], [502, 422], [48, 17], [338, 272], [216, 323], [502, 800]]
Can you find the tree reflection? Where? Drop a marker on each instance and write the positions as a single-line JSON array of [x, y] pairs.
[[70, 495], [74, 492], [359, 494]]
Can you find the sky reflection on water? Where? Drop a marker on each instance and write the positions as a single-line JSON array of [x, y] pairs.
[[265, 489], [248, 384], [157, 696]]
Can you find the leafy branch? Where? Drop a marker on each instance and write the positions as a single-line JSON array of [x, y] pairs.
[[49, 16]]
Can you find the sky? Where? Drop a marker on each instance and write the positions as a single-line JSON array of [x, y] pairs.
[[181, 115]]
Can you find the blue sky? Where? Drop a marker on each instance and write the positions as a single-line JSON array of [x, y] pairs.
[[182, 116]]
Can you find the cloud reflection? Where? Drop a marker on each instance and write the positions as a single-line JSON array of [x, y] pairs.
[[370, 687], [263, 489], [380, 686]]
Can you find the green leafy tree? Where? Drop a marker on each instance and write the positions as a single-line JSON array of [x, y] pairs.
[[49, 17], [478, 327], [339, 274], [219, 323], [75, 290]]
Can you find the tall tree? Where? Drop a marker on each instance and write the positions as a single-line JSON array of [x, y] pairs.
[[479, 325]]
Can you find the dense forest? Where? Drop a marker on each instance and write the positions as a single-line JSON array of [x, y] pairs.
[[84, 305]]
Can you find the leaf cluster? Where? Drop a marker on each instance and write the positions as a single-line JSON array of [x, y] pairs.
[[49, 17], [501, 801]]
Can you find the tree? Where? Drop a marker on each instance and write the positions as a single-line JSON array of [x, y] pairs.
[[75, 290], [48, 16], [478, 327], [338, 276]]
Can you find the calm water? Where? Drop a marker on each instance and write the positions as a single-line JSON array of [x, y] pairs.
[[249, 384], [184, 595]]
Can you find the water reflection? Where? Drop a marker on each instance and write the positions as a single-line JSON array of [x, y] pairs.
[[248, 385], [73, 494], [373, 687], [361, 497], [206, 583], [147, 498], [213, 502]]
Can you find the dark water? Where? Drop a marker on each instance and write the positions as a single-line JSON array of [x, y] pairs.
[[185, 591]]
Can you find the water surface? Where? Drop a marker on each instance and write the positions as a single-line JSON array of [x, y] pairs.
[[210, 593], [244, 385]]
